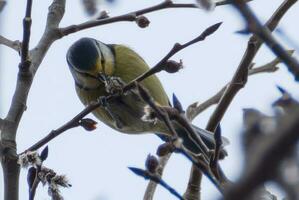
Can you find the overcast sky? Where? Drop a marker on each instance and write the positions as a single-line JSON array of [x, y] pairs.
[[96, 162]]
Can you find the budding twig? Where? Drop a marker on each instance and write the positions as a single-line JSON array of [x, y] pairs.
[[132, 16], [161, 65]]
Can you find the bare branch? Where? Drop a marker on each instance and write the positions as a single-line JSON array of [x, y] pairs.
[[264, 34], [75, 122], [196, 108], [15, 45]]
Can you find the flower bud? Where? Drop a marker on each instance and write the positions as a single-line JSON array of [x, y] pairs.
[[165, 149], [142, 21], [151, 163], [103, 15], [88, 124], [172, 66]]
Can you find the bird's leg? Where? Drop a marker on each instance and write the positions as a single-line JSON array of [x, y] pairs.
[[105, 105]]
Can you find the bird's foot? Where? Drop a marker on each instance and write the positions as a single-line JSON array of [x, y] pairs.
[[114, 85]]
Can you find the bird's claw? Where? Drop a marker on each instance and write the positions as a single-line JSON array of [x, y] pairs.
[[114, 85]]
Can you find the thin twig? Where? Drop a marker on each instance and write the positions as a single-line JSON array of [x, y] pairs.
[[175, 49], [196, 108], [75, 122], [15, 45], [225, 2], [130, 16], [146, 175], [238, 81], [25, 62]]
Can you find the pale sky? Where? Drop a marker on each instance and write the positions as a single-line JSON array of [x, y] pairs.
[[96, 162]]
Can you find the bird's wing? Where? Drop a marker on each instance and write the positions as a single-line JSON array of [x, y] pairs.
[[129, 65]]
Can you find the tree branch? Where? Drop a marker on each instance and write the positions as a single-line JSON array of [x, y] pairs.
[[162, 64], [15, 45], [25, 62], [196, 108], [132, 16], [264, 34]]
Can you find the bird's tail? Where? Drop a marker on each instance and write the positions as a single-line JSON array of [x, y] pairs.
[[206, 136]]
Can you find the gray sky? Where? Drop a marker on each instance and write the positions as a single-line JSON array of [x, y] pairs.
[[96, 162]]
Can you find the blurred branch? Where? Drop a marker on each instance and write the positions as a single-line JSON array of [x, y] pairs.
[[196, 108], [268, 154], [254, 25], [225, 2], [240, 77], [15, 45], [2, 5]]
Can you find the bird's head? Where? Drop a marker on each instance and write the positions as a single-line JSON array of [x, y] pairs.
[[88, 59]]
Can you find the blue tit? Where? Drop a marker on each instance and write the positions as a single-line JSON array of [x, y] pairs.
[[100, 69]]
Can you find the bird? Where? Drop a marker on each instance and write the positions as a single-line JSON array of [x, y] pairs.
[[100, 70]]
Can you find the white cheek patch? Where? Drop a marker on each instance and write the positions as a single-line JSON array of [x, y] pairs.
[[108, 58]]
